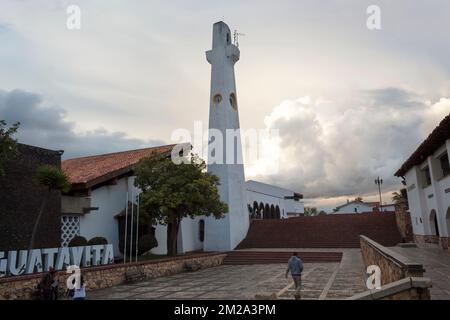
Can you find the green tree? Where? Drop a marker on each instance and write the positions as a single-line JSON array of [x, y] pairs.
[[53, 179], [172, 191], [310, 211], [400, 197], [8, 146]]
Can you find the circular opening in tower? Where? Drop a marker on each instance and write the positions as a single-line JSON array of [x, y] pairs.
[[233, 101], [217, 98]]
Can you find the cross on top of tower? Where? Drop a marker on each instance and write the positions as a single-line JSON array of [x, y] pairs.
[[236, 35]]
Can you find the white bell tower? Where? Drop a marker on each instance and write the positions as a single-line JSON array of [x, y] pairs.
[[225, 234]]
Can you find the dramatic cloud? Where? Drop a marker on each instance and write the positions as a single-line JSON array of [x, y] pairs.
[[46, 126], [333, 149]]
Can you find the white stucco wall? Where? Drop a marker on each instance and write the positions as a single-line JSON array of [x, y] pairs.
[[422, 200], [110, 200], [272, 195], [350, 208]]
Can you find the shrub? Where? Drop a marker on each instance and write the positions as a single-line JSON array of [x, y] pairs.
[[78, 241], [97, 241], [146, 243]]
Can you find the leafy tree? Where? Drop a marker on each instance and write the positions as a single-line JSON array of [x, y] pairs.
[[310, 211], [53, 178], [172, 191], [358, 199], [8, 146], [400, 197]]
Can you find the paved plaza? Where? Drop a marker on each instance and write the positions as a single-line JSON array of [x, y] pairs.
[[320, 281], [437, 267]]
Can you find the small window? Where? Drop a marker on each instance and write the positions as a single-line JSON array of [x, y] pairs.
[[201, 229], [426, 177], [228, 38], [217, 98], [444, 165], [233, 101]]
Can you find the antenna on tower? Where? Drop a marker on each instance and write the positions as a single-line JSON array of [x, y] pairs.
[[236, 37]]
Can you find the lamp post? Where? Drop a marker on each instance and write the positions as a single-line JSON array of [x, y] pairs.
[[379, 182]]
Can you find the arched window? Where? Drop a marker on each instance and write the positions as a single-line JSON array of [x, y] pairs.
[[233, 101], [255, 210], [217, 98], [267, 211], [262, 212], [434, 228], [277, 212], [201, 230]]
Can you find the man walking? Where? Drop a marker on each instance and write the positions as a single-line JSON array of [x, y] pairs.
[[295, 267]]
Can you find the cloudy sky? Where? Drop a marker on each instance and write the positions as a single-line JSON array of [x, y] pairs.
[[350, 103]]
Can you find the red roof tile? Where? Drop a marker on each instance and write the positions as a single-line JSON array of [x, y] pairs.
[[88, 171]]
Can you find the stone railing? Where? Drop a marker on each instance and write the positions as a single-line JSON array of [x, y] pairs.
[[394, 267], [404, 289], [22, 287]]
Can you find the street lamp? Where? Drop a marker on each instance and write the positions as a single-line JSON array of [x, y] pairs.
[[379, 182]]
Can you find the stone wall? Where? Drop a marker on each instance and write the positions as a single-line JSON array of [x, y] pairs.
[[21, 199], [410, 288], [426, 239], [403, 220], [22, 287], [393, 266]]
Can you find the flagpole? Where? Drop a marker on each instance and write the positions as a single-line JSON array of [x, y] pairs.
[[126, 232], [137, 226], [132, 226]]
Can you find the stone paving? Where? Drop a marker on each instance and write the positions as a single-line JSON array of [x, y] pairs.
[[320, 281], [437, 267]]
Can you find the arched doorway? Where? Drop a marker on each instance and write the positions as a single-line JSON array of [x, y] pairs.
[[277, 212], [272, 212], [255, 210], [434, 227], [267, 212], [262, 212]]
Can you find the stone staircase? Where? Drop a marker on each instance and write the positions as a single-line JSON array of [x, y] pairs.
[[240, 257], [327, 231]]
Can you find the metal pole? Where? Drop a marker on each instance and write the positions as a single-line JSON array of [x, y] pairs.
[[137, 227], [379, 190], [126, 232], [132, 226]]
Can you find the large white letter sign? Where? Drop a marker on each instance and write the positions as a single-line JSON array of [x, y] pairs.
[[76, 255], [63, 258], [108, 254], [49, 260], [35, 261], [97, 254], [15, 267], [3, 264]]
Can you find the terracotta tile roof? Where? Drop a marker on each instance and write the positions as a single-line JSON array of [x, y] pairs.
[[86, 172], [436, 138]]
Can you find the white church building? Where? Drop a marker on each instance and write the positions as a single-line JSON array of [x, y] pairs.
[[426, 175], [102, 184]]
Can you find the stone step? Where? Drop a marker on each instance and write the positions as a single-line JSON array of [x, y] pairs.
[[329, 231], [271, 257]]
